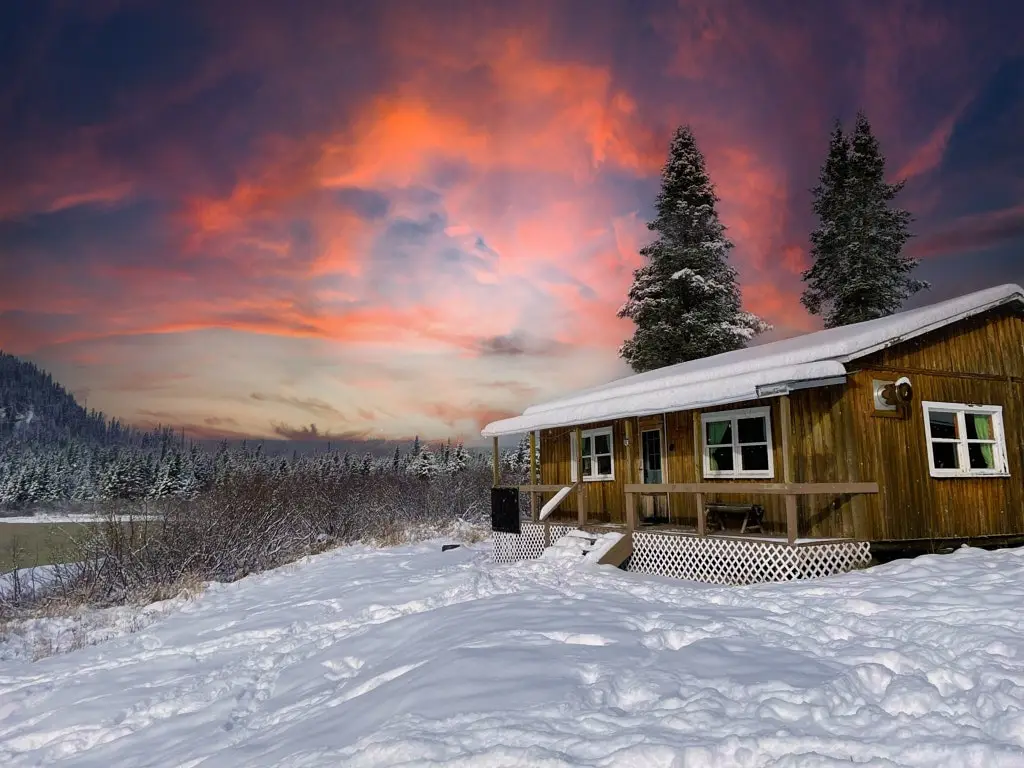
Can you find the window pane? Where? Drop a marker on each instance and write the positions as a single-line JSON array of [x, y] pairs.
[[982, 455], [604, 465], [754, 457], [979, 426], [721, 459], [586, 446], [945, 455], [586, 467], [751, 430], [652, 451], [602, 444], [719, 432], [943, 424]]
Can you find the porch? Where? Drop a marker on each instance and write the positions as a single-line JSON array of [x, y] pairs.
[[712, 529], [712, 558]]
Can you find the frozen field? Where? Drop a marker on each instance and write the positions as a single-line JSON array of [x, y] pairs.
[[410, 656]]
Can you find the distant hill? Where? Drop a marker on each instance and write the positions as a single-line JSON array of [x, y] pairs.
[[34, 406]]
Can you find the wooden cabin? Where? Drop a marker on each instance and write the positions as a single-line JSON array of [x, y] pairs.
[[903, 433]]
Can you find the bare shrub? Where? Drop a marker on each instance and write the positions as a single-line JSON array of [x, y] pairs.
[[249, 522]]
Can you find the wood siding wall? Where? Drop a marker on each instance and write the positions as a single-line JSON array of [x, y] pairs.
[[838, 437], [978, 361]]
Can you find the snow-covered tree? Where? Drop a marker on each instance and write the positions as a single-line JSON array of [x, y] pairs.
[[858, 270], [458, 460], [685, 301], [424, 464], [168, 477]]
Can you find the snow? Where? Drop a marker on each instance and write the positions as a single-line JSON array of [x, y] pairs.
[[580, 548], [50, 518], [734, 376], [552, 504], [411, 656], [28, 580], [602, 546]]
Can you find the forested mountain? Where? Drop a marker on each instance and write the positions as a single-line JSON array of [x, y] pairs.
[[33, 405], [52, 451]]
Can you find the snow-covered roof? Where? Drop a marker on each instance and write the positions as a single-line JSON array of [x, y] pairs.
[[814, 359]]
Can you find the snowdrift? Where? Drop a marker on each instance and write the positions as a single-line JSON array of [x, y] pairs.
[[411, 656]]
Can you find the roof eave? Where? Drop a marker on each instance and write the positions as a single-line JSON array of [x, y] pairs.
[[935, 326], [762, 391]]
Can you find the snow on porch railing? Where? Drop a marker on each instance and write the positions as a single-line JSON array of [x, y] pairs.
[[735, 561]]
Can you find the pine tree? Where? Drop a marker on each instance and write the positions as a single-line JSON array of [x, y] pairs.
[[458, 460], [424, 464], [169, 476], [859, 271], [685, 301]]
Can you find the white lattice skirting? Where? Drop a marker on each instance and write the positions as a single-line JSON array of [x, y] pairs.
[[512, 547], [719, 560], [712, 559]]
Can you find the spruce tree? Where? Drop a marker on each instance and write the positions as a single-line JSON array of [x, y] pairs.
[[685, 301], [859, 271], [424, 464], [459, 459]]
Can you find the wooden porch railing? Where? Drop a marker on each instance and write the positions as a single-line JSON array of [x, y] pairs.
[[789, 490]]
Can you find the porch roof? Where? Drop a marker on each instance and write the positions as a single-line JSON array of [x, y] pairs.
[[766, 370]]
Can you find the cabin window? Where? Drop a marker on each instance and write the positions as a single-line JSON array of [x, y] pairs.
[[965, 440], [597, 458], [738, 443]]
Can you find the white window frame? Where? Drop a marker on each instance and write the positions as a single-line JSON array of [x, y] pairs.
[[1002, 468], [574, 457], [764, 412]]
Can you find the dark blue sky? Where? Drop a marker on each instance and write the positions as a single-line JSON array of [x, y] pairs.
[[387, 218]]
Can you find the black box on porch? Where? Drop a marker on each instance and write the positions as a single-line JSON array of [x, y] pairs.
[[505, 510]]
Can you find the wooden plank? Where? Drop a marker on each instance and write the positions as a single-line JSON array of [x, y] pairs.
[[619, 551], [533, 476], [698, 464], [581, 491], [631, 519], [543, 488], [786, 426], [495, 466], [776, 489], [629, 478]]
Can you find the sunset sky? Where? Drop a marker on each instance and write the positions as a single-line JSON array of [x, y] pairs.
[[398, 218]]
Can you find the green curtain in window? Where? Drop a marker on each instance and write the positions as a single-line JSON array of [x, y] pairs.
[[716, 432], [982, 428]]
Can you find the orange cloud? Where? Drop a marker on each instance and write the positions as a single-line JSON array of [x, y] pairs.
[[509, 166]]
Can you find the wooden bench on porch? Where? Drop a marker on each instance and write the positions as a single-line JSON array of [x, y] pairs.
[[749, 516]]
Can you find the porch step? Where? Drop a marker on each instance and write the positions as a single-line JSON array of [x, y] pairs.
[[584, 546]]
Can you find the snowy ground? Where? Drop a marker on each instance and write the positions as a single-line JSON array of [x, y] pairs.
[[411, 656], [49, 518]]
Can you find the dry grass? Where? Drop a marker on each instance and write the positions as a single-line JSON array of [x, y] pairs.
[[25, 545], [146, 551]]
